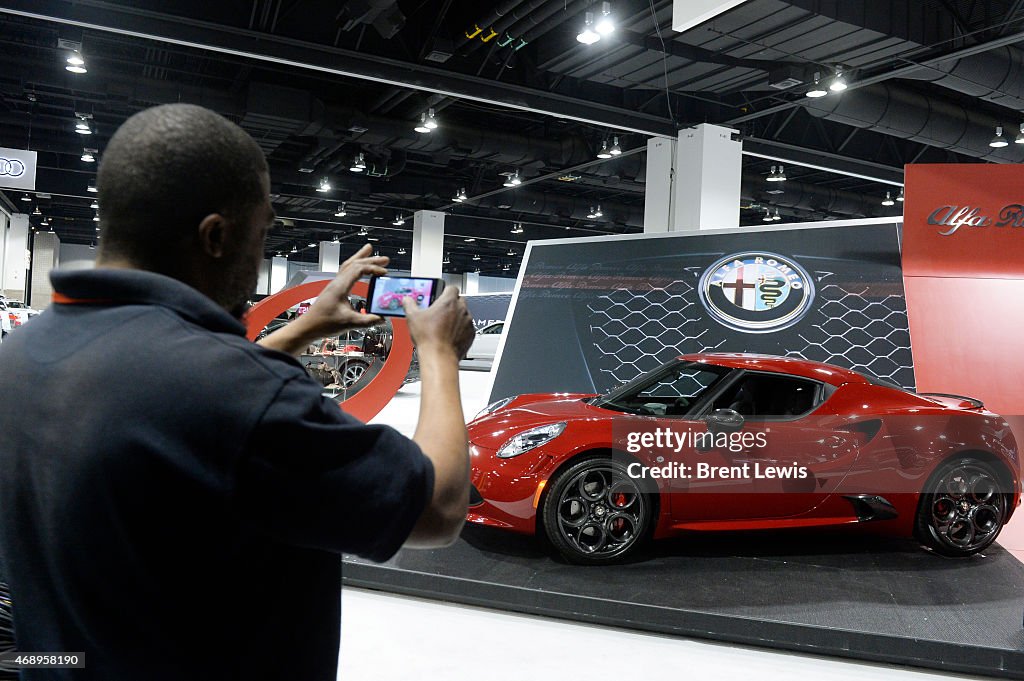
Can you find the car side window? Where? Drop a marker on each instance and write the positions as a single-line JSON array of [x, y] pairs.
[[771, 397], [494, 329]]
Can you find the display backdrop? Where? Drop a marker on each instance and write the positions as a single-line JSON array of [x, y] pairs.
[[590, 314], [964, 273], [487, 308]]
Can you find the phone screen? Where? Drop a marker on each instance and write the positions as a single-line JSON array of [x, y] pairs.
[[386, 294]]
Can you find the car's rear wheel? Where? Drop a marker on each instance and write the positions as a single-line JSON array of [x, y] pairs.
[[962, 508], [595, 513]]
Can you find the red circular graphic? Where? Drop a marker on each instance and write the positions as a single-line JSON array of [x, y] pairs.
[[368, 402]]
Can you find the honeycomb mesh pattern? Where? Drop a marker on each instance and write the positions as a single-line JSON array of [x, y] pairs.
[[635, 331]]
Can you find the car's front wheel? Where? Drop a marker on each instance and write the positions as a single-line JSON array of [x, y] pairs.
[[962, 508], [595, 513]]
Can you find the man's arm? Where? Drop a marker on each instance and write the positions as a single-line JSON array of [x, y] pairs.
[[443, 334], [332, 313]]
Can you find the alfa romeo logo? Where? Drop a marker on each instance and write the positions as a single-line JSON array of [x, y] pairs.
[[756, 292], [11, 167]]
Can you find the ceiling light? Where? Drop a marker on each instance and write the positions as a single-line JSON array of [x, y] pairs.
[[469, 239], [26, 197], [37, 211], [336, 239], [1020, 137], [92, 246], [82, 126], [89, 155], [511, 252], [781, 177], [595, 213], [776, 217], [476, 270], [75, 63], [92, 187], [901, 197], [616, 149], [95, 205], [767, 216], [45, 222], [359, 164], [401, 251], [476, 257], [341, 211], [325, 185], [773, 176], [399, 220], [513, 180], [998, 142], [311, 244], [507, 267], [460, 196], [888, 200], [588, 36], [817, 90], [447, 260], [363, 231], [605, 24], [517, 228], [431, 121], [604, 153], [422, 126], [838, 83], [96, 218], [294, 250]]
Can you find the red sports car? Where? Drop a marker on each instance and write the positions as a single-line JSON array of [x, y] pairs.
[[736, 441]]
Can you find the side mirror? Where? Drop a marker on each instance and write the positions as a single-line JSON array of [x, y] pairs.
[[724, 421]]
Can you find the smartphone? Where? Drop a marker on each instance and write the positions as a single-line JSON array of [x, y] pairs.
[[386, 294]]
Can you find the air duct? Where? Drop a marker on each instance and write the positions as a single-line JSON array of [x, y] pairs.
[[892, 109], [812, 198], [995, 76], [525, 201]]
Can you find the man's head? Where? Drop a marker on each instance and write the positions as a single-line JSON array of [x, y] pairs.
[[185, 192]]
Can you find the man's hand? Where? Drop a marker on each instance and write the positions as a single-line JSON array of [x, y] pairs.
[[444, 327], [332, 313]]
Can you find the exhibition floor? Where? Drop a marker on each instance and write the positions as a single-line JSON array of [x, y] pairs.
[[833, 592]]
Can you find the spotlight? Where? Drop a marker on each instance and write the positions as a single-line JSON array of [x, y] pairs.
[[311, 244], [341, 211], [89, 155], [294, 250], [998, 142], [37, 211], [431, 120], [595, 213], [517, 228], [781, 177], [95, 205], [605, 25], [82, 126], [511, 252], [96, 218], [1020, 137], [469, 239], [401, 251], [359, 164], [447, 260], [75, 63], [817, 90], [604, 153], [901, 198], [776, 217], [588, 36], [476, 257], [92, 187], [767, 216], [773, 176], [460, 196], [325, 185], [838, 83], [336, 239], [507, 267], [399, 220], [616, 149], [888, 200], [26, 197], [422, 126], [513, 180], [363, 231]]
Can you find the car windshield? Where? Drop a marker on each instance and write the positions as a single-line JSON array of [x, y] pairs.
[[673, 389]]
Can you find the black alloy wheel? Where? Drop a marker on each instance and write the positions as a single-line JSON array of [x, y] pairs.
[[962, 508], [595, 513]]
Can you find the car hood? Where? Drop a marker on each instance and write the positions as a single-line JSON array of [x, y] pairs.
[[530, 411]]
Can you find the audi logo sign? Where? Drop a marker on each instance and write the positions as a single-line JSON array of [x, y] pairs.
[[17, 169]]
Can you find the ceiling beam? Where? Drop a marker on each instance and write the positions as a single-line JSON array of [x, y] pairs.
[[112, 18]]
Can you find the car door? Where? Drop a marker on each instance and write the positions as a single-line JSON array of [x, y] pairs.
[[798, 454], [485, 345]]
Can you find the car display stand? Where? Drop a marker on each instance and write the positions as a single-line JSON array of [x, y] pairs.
[[835, 593]]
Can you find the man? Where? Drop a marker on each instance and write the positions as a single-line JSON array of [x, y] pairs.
[[174, 498]]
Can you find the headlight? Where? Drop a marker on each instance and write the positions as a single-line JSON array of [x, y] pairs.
[[529, 439], [493, 406]]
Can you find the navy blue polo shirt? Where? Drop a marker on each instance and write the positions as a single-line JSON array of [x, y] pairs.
[[174, 498]]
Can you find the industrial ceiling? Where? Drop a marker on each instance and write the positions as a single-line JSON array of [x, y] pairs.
[[513, 90]]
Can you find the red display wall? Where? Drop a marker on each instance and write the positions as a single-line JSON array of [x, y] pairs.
[[963, 265]]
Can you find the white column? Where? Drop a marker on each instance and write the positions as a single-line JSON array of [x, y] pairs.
[[16, 257], [427, 243], [658, 195], [470, 283], [330, 256], [263, 280], [45, 259], [278, 274], [709, 169]]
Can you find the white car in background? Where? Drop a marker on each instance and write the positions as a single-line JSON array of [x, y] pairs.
[[15, 313], [485, 345]]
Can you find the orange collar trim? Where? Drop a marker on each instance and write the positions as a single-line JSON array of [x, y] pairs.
[[61, 299]]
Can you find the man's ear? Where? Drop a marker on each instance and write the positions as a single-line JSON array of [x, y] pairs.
[[213, 235]]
